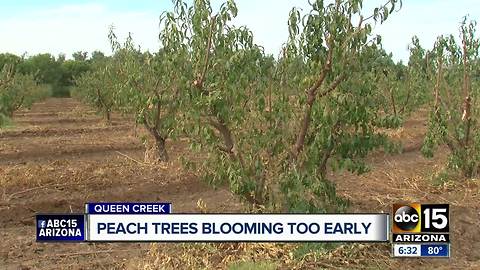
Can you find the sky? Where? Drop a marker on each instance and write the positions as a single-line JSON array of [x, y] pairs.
[[54, 26]]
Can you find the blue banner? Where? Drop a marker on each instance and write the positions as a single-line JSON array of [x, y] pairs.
[[435, 250], [108, 208], [66, 227]]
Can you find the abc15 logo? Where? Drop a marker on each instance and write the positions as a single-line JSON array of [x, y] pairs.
[[421, 218]]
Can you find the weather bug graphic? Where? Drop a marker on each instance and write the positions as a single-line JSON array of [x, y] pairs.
[[421, 230]]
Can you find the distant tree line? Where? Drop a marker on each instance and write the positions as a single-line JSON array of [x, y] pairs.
[[56, 72]]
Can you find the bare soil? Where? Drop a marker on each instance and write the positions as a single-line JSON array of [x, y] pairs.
[[59, 155]]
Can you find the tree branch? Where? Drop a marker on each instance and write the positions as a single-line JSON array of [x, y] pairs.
[[330, 149], [380, 8], [311, 97], [228, 140], [201, 79], [333, 85], [226, 134], [466, 117], [158, 115]]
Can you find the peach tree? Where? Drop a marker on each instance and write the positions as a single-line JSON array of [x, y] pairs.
[[402, 89], [18, 90], [6, 75], [97, 87], [336, 124], [271, 130], [152, 85], [455, 116]]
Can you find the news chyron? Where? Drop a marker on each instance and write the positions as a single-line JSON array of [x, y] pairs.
[[421, 230]]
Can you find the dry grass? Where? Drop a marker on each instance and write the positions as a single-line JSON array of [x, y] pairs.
[[264, 256]]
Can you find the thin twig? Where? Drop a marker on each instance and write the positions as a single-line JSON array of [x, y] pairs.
[[207, 55], [42, 187], [34, 189], [130, 158], [90, 253], [380, 8]]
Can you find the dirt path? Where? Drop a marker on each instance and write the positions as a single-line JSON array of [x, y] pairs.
[[59, 155]]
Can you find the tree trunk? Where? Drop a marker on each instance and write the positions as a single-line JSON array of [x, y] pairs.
[[394, 105], [161, 149], [108, 118], [160, 144]]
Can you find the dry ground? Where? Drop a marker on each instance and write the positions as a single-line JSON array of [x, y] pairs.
[[59, 155]]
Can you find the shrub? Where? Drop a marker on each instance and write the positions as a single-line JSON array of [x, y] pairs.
[[454, 116], [18, 90]]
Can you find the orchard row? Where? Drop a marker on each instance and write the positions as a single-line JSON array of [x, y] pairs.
[[272, 127]]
